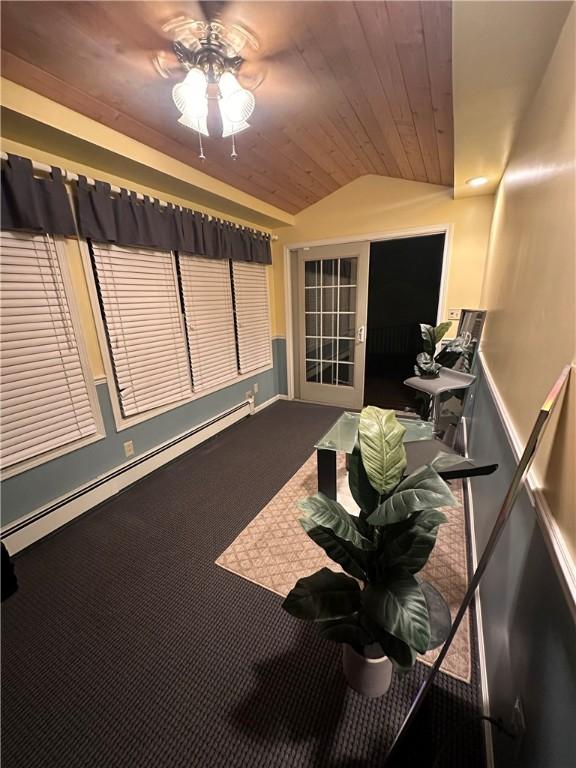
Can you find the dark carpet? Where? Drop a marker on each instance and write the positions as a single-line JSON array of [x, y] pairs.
[[127, 646]]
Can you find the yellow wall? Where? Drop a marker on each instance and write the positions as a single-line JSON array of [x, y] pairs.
[[94, 171], [32, 119], [495, 73], [75, 263], [376, 204], [530, 277], [80, 287]]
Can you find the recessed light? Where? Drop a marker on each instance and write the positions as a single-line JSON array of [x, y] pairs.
[[477, 181]]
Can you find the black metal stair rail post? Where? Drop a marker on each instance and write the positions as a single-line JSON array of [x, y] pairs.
[[503, 515]]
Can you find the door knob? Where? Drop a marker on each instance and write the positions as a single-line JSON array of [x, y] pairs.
[[361, 334]]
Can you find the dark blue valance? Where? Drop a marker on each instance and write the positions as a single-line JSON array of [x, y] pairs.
[[123, 219], [42, 205], [32, 204]]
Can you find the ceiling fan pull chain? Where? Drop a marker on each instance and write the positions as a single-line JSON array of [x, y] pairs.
[[202, 156], [234, 154]]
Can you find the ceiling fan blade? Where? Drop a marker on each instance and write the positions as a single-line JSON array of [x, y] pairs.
[[232, 23], [252, 77], [166, 64], [256, 68]]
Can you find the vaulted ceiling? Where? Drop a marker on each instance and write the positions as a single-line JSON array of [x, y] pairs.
[[349, 88]]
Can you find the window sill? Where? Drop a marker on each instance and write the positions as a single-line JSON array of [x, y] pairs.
[[123, 422]]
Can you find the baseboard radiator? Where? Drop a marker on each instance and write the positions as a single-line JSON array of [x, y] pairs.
[[47, 519]]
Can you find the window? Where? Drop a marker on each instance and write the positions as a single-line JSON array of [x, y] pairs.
[[209, 320], [177, 326], [48, 397], [139, 298], [252, 316]]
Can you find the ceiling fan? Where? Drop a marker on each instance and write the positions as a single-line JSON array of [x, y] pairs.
[[212, 56]]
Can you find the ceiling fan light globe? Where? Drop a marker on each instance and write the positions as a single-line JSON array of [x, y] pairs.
[[238, 106], [199, 124], [195, 79], [236, 103], [227, 84], [231, 129], [190, 95]]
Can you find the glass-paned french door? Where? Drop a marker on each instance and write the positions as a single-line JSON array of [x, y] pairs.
[[333, 294]]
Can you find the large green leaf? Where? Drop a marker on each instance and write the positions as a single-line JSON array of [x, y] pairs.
[[362, 491], [327, 513], [399, 652], [358, 631], [399, 607], [410, 550], [429, 519], [423, 489], [441, 330], [383, 453], [346, 630], [341, 551], [439, 613], [443, 461], [389, 532], [426, 365], [425, 518], [428, 338], [324, 595], [431, 336]]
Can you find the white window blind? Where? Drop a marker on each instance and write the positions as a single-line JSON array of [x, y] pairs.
[[252, 315], [141, 309], [210, 320], [45, 397]]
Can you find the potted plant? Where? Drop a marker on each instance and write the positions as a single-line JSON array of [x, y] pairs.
[[458, 351], [377, 608], [426, 365]]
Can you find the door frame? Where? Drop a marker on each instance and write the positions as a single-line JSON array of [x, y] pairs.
[[351, 395], [371, 237]]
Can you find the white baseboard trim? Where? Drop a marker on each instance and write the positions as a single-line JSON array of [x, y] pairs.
[[266, 403], [274, 399], [48, 518], [480, 632], [488, 742], [554, 538]]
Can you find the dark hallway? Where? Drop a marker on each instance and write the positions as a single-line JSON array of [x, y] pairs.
[[403, 291]]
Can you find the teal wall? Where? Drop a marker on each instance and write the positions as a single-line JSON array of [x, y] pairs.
[[529, 633], [30, 490]]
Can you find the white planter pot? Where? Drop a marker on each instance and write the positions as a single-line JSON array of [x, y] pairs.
[[369, 676]]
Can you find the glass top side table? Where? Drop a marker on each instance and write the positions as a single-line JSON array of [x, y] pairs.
[[342, 434], [341, 437]]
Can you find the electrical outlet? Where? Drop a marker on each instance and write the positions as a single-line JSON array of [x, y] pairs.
[[255, 387], [518, 723], [516, 730], [129, 448], [249, 395], [454, 314]]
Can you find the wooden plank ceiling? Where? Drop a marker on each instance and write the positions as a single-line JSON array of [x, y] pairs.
[[349, 89]]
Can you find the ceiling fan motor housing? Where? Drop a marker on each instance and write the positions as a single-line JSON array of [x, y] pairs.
[[212, 55]]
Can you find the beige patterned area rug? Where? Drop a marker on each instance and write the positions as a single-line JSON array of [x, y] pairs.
[[274, 552]]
